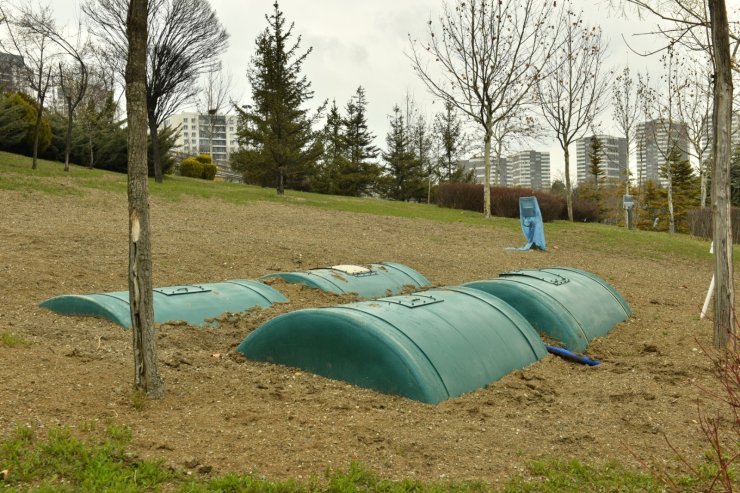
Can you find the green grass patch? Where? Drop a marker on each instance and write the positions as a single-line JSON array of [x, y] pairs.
[[8, 339], [50, 177], [61, 462]]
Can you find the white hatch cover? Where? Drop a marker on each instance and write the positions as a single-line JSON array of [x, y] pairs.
[[351, 270]]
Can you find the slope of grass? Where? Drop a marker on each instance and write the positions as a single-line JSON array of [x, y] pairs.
[[16, 174]]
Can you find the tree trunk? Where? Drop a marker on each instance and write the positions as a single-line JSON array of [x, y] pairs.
[[724, 299], [568, 189], [671, 215], [154, 134], [68, 137], [91, 163], [36, 129], [281, 181], [487, 173], [702, 184], [146, 373]]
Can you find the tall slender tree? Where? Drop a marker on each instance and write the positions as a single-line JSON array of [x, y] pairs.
[[453, 142], [487, 56], [361, 172], [281, 147], [572, 95], [146, 372], [596, 159], [626, 109], [406, 176]]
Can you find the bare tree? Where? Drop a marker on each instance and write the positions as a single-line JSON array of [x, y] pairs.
[[72, 77], [214, 96], [694, 106], [35, 46], [626, 109], [706, 25], [572, 95], [146, 372], [486, 58], [185, 38]]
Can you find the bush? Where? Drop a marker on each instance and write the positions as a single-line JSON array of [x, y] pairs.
[[17, 120], [209, 171], [504, 201], [191, 167], [700, 223], [204, 159]]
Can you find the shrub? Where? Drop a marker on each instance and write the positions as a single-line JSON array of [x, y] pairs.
[[700, 223], [204, 159], [584, 209], [191, 167], [209, 171], [504, 201]]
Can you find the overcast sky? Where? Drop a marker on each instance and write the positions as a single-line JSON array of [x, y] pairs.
[[364, 43]]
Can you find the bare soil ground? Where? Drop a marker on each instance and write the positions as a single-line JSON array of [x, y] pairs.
[[224, 414]]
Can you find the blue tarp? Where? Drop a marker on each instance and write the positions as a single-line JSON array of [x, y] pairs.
[[532, 225]]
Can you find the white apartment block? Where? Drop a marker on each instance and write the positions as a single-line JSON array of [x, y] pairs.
[[706, 141], [196, 137], [654, 140], [614, 158], [530, 169], [478, 166], [523, 169]]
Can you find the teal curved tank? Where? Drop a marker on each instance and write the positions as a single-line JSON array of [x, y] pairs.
[[568, 305], [194, 304], [428, 346], [371, 281]]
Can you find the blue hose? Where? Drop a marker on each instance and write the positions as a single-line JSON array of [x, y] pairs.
[[571, 356]]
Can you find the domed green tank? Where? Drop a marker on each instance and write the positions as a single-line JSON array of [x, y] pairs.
[[192, 303], [371, 281], [569, 305], [428, 346]]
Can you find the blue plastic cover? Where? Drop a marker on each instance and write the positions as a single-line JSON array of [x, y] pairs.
[[532, 225]]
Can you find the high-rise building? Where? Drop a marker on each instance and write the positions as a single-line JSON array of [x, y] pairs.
[[12, 73], [614, 158], [654, 141], [522, 169], [530, 169], [207, 134], [706, 141], [477, 165]]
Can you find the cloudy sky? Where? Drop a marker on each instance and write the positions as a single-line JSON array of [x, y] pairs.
[[364, 43]]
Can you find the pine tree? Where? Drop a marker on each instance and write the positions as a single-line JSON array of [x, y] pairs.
[[360, 174], [334, 159], [281, 148], [405, 174], [596, 157], [448, 130], [685, 188]]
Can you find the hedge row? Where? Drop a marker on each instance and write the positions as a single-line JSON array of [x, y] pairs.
[[505, 201], [700, 223]]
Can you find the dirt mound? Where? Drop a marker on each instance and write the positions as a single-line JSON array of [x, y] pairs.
[[224, 414]]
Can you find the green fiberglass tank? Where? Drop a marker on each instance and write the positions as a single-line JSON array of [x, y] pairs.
[[371, 281], [569, 305], [194, 304], [428, 346]]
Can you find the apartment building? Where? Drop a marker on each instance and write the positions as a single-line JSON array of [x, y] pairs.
[[614, 162], [654, 140], [207, 134]]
